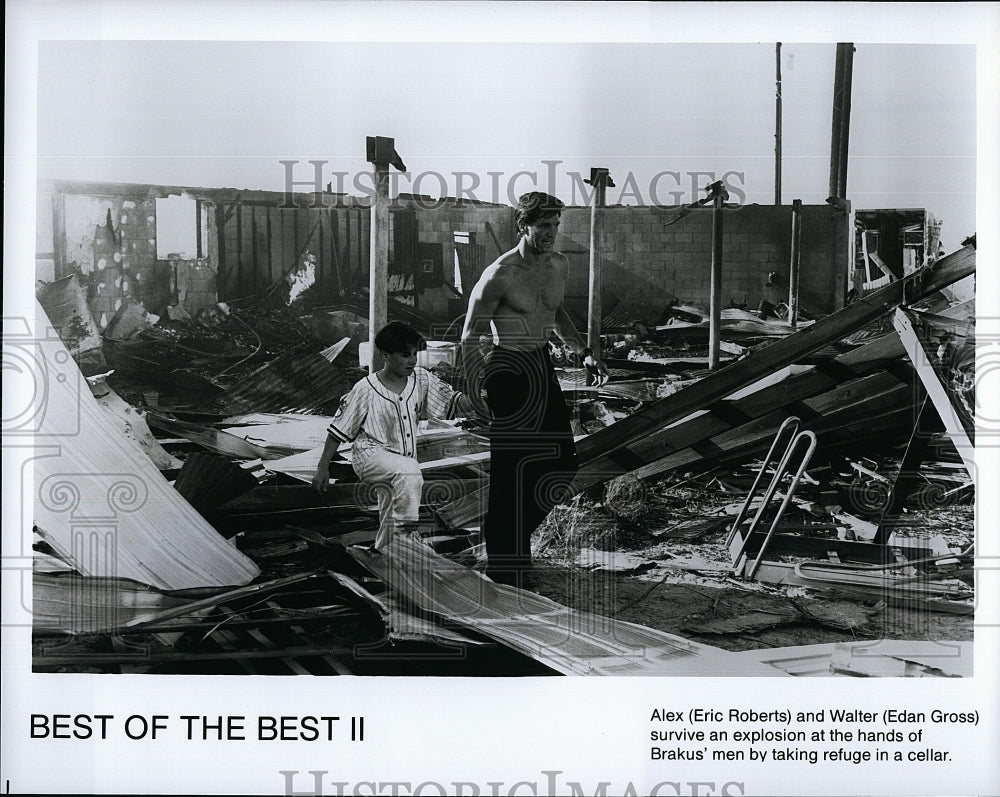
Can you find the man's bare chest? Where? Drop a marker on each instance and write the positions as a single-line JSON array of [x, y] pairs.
[[533, 293]]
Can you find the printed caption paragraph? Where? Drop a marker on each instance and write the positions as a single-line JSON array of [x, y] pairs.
[[834, 735]]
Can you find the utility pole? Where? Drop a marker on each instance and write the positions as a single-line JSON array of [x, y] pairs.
[[381, 152], [841, 128], [600, 179], [718, 194]]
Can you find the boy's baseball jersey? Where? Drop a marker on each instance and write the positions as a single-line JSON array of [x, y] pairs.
[[375, 417]]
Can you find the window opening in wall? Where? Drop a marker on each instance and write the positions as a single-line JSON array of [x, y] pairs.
[[178, 228]]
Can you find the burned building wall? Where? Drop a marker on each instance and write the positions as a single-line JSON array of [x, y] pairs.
[[107, 236], [248, 240]]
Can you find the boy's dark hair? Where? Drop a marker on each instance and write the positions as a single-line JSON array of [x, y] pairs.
[[533, 206], [398, 338], [587, 351]]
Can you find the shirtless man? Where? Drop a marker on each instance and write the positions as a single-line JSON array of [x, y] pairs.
[[519, 300]]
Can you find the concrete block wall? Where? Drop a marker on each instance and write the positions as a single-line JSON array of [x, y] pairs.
[[646, 262], [439, 225]]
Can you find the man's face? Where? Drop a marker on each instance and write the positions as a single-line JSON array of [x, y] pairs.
[[401, 364], [542, 233]]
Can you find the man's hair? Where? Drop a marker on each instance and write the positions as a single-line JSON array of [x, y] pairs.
[[398, 338], [587, 351], [533, 206]]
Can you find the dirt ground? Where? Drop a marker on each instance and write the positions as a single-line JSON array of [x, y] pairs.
[[685, 586]]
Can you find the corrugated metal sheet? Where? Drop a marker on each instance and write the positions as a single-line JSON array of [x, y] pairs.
[[569, 641], [294, 382]]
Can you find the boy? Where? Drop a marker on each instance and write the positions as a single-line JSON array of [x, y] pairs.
[[597, 372], [380, 415]]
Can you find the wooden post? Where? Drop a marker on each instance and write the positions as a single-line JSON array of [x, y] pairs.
[[777, 124], [600, 179], [845, 116], [838, 79], [381, 153], [718, 194], [841, 128], [793, 271], [378, 307]]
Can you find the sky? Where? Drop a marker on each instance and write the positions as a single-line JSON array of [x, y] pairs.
[[224, 114]]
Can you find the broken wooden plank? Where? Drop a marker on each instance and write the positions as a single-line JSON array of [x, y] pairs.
[[223, 596], [597, 452], [960, 432], [213, 440], [848, 404]]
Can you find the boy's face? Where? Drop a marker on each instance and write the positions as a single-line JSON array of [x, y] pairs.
[[401, 364]]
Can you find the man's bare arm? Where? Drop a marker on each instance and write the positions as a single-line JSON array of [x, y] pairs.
[[484, 300], [566, 331]]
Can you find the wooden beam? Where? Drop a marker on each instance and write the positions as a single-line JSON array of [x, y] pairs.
[[793, 271], [600, 179], [908, 474], [923, 362], [594, 450]]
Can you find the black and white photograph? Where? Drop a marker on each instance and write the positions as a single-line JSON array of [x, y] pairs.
[[373, 371]]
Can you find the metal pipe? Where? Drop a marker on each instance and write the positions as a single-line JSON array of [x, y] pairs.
[[791, 421]]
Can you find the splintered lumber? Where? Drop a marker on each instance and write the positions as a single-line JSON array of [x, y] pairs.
[[211, 439], [604, 453], [223, 596], [865, 397], [102, 504], [568, 641]]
